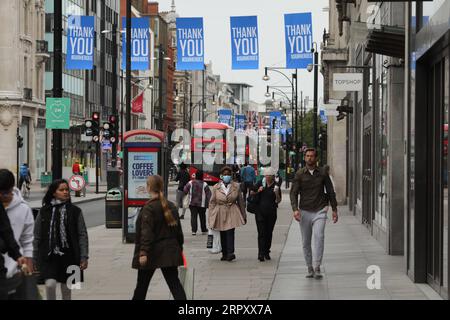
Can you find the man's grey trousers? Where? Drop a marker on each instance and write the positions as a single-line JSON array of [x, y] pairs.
[[312, 225]]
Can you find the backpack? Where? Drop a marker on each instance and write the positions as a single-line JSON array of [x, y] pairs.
[[23, 171]]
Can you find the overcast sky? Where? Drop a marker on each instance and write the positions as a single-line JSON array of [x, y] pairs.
[[216, 15]]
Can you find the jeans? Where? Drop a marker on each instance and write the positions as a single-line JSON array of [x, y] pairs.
[[170, 275]]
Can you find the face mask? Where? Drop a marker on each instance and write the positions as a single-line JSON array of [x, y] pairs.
[[226, 179]]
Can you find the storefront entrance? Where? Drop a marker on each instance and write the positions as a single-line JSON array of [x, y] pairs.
[[437, 208]]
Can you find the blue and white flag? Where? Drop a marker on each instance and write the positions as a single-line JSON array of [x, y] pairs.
[[225, 116], [299, 39], [323, 117], [283, 128], [275, 121], [239, 122], [244, 42], [140, 44], [80, 43], [190, 44]]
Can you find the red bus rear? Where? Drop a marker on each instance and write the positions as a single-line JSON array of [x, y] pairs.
[[200, 144]]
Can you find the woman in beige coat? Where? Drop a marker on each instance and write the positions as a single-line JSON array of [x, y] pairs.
[[226, 211]]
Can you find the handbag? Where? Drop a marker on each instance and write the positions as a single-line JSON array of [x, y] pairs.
[[28, 289], [252, 203], [186, 276], [186, 202], [209, 241]]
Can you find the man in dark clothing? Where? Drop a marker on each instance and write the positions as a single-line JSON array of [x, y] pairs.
[[311, 182], [269, 195], [182, 178], [7, 245]]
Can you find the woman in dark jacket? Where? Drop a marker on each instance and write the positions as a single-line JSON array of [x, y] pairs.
[[60, 240], [159, 242], [269, 196]]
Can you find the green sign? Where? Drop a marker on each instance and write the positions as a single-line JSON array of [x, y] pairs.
[[57, 113]]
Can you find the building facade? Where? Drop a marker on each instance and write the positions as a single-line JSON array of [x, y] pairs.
[[23, 57], [426, 118], [396, 137]]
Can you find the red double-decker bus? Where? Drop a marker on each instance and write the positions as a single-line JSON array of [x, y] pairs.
[[216, 144]]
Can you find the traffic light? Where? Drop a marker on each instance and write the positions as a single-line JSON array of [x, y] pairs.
[[112, 119], [92, 127], [106, 130], [19, 142], [344, 109]]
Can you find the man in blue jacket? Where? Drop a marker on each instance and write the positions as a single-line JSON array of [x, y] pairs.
[[248, 177]]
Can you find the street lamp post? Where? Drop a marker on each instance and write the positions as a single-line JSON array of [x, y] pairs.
[[57, 88], [316, 72], [294, 95]]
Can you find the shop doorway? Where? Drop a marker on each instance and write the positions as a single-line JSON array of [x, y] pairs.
[[437, 213]]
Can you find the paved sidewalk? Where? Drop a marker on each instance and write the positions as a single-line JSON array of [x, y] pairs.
[[110, 276], [349, 250]]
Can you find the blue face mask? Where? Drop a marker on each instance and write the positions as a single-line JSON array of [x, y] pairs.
[[226, 179]]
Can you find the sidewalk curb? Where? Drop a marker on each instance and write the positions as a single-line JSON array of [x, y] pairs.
[[100, 197]]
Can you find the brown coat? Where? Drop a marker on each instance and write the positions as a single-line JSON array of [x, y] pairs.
[[226, 211], [163, 245]]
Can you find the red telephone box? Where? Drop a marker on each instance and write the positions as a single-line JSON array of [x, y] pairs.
[[143, 155]]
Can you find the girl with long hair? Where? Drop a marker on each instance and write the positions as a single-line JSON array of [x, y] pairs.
[[60, 239], [159, 242]]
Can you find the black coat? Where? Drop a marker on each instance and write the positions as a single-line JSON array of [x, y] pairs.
[[163, 245], [267, 204], [75, 229]]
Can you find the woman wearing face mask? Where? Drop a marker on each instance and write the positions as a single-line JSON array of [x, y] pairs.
[[60, 239], [226, 212]]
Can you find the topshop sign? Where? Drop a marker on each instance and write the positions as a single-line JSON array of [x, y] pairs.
[[347, 81]]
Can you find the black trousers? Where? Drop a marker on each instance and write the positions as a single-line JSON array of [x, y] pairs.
[[3, 292], [265, 225], [227, 242], [201, 212], [170, 275]]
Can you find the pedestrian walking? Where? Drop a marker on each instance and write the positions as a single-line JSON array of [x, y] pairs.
[[226, 211], [60, 240], [182, 178], [8, 244], [199, 195], [159, 242], [22, 222], [311, 182], [248, 177], [268, 194], [76, 168], [24, 176]]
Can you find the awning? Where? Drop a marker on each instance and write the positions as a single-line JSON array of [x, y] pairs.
[[386, 40]]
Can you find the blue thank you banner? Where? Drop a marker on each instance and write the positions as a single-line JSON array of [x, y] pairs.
[[140, 44], [190, 44], [239, 122], [244, 42], [299, 39], [225, 116], [80, 43]]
